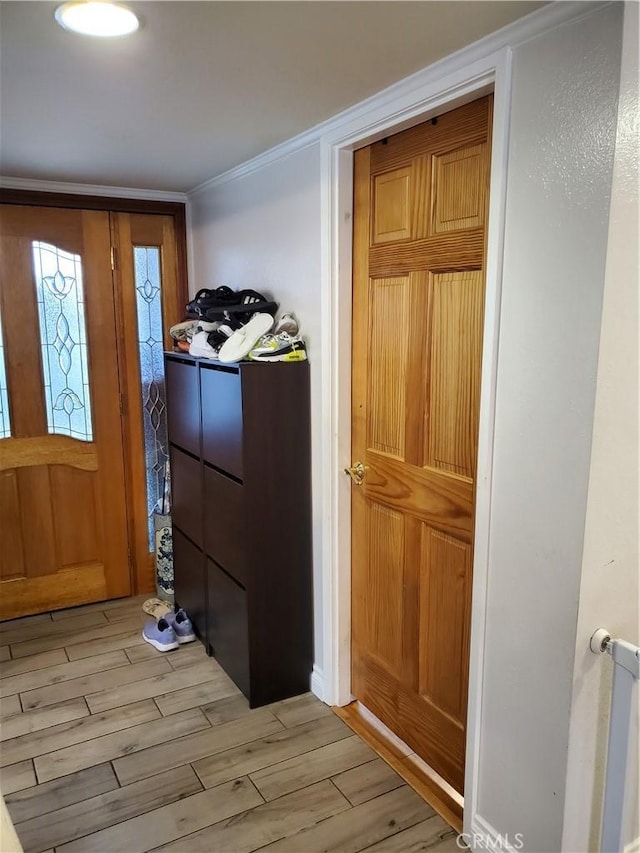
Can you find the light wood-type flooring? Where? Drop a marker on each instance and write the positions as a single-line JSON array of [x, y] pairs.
[[107, 744]]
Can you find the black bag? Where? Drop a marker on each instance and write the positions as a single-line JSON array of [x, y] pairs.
[[214, 300]]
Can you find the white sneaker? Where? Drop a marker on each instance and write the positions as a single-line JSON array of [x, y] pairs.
[[243, 340], [287, 323]]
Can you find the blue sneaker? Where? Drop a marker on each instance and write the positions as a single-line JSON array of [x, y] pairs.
[[182, 626], [160, 634]]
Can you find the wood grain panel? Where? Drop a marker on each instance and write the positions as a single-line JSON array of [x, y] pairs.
[[86, 685], [38, 541], [147, 688], [72, 586], [459, 189], [64, 735], [42, 799], [278, 746], [17, 777], [171, 822], [391, 194], [445, 502], [359, 827], [73, 496], [108, 747], [290, 775], [416, 368], [367, 781], [455, 365], [466, 125], [445, 596], [21, 340], [420, 210], [261, 723], [58, 449], [389, 300], [33, 721], [437, 254], [58, 673], [11, 550], [384, 619], [267, 823], [106, 809]]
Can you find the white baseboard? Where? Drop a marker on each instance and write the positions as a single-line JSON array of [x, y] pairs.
[[317, 682], [483, 836]]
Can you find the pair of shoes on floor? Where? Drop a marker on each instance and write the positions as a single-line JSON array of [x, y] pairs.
[[282, 344], [169, 632]]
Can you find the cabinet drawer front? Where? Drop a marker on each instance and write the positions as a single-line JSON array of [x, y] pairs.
[[227, 625], [186, 491], [183, 412], [221, 392], [189, 580], [224, 529]]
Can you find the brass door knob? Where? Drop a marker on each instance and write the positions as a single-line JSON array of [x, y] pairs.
[[356, 473]]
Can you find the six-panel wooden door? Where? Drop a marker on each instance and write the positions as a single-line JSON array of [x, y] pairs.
[[419, 241]]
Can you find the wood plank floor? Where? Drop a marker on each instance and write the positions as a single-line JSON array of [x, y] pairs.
[[108, 745]]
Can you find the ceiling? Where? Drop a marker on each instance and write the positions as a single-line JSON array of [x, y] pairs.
[[204, 86]]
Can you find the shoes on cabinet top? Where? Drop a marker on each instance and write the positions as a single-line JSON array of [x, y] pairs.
[[279, 347], [243, 340], [287, 323]]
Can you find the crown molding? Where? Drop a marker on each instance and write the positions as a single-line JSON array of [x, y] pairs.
[[514, 34], [33, 185]]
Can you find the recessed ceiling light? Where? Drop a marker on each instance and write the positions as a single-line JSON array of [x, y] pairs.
[[97, 18]]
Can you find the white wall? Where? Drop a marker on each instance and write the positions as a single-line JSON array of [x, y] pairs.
[[609, 592], [263, 232], [264, 229], [559, 177]]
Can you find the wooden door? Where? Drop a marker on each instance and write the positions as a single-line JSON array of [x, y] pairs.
[[63, 523], [419, 236]]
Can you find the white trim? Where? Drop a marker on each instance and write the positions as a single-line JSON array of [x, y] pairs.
[[392, 98], [317, 682], [458, 87], [33, 185], [484, 476], [482, 836], [456, 80]]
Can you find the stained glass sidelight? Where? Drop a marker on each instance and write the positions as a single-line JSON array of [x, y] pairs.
[[5, 419], [148, 283], [63, 338]]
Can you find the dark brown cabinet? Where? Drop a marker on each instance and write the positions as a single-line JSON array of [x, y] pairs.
[[241, 483]]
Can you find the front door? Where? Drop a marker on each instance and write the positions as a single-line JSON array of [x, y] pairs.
[[63, 522], [419, 241]]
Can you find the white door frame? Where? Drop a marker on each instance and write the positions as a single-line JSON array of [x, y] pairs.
[[462, 77], [492, 73]]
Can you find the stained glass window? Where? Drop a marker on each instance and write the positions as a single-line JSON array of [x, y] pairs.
[[63, 338], [148, 283], [5, 419]]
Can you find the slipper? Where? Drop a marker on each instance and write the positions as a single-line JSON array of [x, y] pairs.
[[156, 608], [247, 302], [243, 340], [208, 299]]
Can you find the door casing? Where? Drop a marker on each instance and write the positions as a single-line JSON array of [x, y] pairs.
[[462, 84]]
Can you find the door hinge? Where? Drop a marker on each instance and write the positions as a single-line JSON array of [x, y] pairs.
[[129, 558], [121, 399], [113, 258]]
